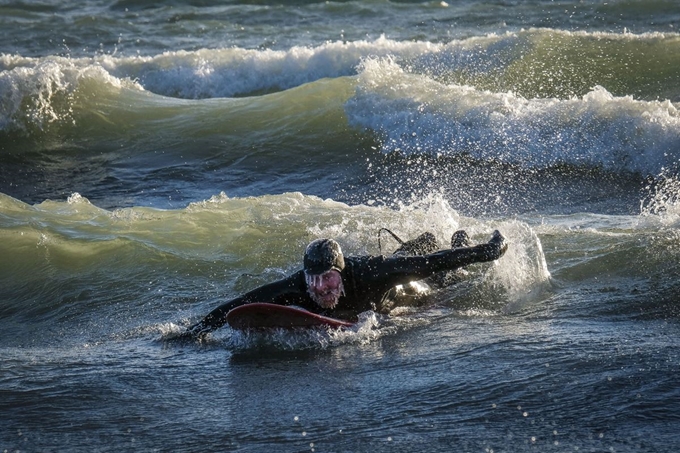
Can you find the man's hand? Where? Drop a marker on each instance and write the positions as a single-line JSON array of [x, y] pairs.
[[196, 332], [498, 246]]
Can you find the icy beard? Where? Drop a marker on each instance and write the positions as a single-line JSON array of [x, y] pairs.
[[327, 300]]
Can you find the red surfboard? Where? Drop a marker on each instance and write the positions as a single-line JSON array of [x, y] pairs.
[[270, 316]]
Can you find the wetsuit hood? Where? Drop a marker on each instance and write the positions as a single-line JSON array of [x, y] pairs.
[[323, 255]]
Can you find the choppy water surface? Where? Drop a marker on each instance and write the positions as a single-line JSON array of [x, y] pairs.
[[158, 158]]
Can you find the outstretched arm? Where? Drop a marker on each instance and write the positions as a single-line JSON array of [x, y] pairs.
[[267, 293], [459, 257], [400, 270], [216, 318]]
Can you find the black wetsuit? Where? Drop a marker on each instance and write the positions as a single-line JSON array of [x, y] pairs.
[[366, 279]]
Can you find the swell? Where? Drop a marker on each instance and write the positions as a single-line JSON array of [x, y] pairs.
[[122, 145], [546, 63]]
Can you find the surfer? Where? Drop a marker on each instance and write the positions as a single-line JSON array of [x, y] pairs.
[[333, 285]]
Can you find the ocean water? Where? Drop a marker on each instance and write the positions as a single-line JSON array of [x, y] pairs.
[[160, 157]]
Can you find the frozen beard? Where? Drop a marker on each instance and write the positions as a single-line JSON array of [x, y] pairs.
[[327, 298]]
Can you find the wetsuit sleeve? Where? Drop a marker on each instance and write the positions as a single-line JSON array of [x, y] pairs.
[[389, 272], [267, 293]]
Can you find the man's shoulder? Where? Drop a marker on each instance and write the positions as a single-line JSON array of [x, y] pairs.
[[291, 282], [367, 257], [361, 261], [296, 277]]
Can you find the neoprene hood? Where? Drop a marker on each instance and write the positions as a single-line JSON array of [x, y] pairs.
[[323, 255]]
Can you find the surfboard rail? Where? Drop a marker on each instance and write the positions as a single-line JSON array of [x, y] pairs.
[[262, 315]]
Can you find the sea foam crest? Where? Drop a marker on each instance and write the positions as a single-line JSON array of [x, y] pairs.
[[209, 73], [412, 113], [41, 91]]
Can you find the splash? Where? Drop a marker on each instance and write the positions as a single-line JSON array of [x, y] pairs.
[[413, 114], [368, 329], [522, 274], [663, 200]]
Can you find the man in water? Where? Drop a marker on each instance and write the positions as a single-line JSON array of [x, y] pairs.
[[333, 285]]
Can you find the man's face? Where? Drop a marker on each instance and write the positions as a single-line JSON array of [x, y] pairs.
[[325, 289]]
